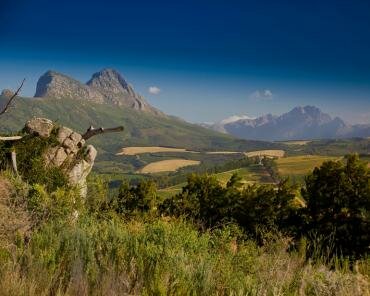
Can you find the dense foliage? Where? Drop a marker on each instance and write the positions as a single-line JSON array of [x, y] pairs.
[[334, 214], [31, 165], [337, 196], [207, 240]]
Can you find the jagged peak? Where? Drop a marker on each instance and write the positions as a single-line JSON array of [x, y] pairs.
[[107, 76], [105, 87]]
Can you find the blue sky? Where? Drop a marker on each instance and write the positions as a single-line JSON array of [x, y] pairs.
[[210, 59]]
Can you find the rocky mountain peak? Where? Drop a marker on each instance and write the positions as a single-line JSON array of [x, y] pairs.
[[59, 86], [105, 87], [108, 78]]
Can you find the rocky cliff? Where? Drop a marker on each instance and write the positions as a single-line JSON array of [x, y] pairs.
[[105, 87]]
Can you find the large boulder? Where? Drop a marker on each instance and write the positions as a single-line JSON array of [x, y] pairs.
[[39, 126], [70, 154]]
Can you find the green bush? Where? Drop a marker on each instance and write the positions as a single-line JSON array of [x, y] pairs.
[[337, 215], [205, 200], [141, 198], [30, 162]]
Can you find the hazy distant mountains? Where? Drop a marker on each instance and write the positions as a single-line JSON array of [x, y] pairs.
[[300, 123]]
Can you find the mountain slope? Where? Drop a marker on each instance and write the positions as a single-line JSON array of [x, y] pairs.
[[307, 122]]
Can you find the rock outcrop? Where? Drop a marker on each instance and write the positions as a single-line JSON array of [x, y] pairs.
[[105, 87], [70, 154], [7, 93]]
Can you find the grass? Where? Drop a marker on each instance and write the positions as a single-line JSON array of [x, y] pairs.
[[165, 257], [169, 165], [296, 167]]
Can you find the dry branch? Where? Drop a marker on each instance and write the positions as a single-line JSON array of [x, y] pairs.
[[8, 104], [91, 131], [6, 108]]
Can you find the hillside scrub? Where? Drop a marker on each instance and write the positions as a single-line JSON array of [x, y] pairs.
[[207, 240]]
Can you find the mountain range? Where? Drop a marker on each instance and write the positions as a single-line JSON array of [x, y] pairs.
[[107, 100], [301, 123]]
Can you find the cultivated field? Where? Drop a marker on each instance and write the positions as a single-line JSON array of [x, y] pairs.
[[298, 166], [151, 149], [159, 149], [296, 142], [169, 165], [250, 175], [224, 152], [270, 153]]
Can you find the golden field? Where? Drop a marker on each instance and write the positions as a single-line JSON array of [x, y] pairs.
[[269, 153], [169, 165]]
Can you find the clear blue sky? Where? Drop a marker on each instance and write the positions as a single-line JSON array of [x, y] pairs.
[[210, 59]]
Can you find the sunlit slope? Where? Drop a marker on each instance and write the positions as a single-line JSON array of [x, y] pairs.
[[296, 167]]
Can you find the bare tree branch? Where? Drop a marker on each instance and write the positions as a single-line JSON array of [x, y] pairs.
[[8, 104], [91, 131], [11, 138]]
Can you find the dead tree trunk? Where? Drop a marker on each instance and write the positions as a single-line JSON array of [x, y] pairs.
[[14, 162], [91, 131]]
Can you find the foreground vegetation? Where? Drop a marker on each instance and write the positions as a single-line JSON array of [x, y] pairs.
[[211, 238]]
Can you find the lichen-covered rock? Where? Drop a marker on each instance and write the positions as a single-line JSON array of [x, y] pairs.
[[40, 127], [60, 157], [63, 133], [79, 172]]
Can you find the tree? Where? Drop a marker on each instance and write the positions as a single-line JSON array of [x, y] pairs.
[[338, 206], [205, 200], [140, 198]]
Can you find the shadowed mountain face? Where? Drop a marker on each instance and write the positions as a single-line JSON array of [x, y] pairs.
[[105, 87], [307, 122]]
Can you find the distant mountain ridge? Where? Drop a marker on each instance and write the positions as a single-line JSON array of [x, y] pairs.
[[105, 87], [307, 122]]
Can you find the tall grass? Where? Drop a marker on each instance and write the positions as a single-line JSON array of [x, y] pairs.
[[164, 257]]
